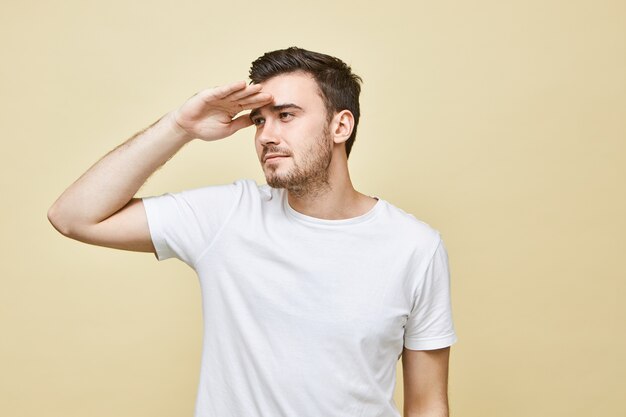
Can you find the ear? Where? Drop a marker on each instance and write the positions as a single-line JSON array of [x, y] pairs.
[[341, 126]]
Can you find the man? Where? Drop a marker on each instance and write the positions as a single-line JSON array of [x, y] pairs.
[[311, 290]]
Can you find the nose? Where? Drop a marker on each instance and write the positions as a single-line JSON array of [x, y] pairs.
[[268, 133]]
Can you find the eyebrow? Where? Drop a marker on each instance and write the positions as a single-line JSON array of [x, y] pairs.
[[276, 108]]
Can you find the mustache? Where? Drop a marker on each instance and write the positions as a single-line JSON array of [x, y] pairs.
[[275, 150]]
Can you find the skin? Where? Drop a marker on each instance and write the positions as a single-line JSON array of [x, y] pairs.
[[299, 147], [314, 147], [99, 208], [425, 377], [293, 140]]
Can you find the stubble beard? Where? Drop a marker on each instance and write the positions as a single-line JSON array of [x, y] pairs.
[[309, 177]]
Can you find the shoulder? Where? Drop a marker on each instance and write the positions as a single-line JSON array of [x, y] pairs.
[[418, 239], [252, 189], [210, 198], [408, 228], [242, 188], [250, 192]]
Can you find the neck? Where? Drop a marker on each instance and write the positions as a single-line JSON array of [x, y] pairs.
[[336, 199]]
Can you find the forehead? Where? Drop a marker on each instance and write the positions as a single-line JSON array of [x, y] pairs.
[[297, 87]]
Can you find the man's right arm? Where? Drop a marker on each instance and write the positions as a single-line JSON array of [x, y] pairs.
[[99, 207]]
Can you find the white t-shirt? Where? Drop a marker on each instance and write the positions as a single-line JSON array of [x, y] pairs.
[[303, 317]]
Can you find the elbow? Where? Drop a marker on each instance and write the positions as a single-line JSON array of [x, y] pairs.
[[55, 220], [59, 221]]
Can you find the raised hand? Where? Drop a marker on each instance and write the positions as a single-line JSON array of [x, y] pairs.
[[211, 113]]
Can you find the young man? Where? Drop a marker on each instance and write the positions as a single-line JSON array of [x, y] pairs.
[[311, 290]]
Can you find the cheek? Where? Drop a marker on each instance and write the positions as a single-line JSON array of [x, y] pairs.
[[257, 145]]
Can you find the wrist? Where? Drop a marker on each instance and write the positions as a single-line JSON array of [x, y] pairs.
[[176, 129]]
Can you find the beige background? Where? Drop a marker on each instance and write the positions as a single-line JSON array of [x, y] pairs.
[[502, 124]]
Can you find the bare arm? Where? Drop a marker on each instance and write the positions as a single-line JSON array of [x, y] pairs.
[[425, 374], [99, 207]]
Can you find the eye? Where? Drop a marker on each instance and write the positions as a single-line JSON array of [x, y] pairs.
[[285, 116], [258, 121]]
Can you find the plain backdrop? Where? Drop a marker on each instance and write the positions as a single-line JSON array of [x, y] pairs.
[[502, 124]]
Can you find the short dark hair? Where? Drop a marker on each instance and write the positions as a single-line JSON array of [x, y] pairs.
[[339, 87]]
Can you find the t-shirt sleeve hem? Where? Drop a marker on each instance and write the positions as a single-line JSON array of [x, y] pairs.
[[430, 343], [156, 230]]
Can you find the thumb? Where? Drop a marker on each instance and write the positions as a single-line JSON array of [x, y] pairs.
[[240, 122]]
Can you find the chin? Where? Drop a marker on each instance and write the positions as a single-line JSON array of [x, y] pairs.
[[276, 175], [276, 181], [279, 180]]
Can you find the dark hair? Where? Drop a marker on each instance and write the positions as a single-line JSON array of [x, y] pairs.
[[339, 87]]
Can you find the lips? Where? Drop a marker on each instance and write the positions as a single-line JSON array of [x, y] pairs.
[[273, 157]]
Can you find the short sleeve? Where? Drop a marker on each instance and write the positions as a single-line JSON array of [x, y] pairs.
[[182, 225], [429, 325]]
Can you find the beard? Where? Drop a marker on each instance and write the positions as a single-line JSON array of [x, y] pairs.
[[309, 176]]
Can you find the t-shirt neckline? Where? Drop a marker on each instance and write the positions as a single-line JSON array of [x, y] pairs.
[[327, 222]]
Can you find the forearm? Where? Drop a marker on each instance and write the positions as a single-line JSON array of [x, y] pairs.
[[113, 181], [433, 406], [436, 412]]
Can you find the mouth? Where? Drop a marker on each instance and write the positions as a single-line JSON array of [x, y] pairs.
[[274, 157]]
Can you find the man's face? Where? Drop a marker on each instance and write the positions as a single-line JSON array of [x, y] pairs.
[[293, 140]]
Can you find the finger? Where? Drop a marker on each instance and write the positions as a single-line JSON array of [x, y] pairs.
[[256, 100], [246, 92], [240, 122], [223, 91]]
